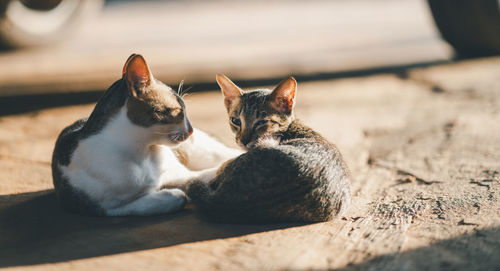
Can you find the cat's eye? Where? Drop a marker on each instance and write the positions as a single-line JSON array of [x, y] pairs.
[[261, 122], [161, 110], [236, 121]]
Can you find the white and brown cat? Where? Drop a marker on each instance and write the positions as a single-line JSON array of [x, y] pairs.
[[119, 160]]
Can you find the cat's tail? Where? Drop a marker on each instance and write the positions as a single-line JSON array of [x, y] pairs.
[[204, 198], [198, 192]]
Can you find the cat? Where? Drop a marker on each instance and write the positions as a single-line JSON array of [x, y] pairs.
[[290, 173], [119, 160]]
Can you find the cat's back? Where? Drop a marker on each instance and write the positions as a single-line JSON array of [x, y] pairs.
[[322, 166], [302, 156], [67, 142], [70, 198], [296, 180], [311, 152]]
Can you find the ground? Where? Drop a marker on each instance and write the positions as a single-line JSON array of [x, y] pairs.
[[423, 145]]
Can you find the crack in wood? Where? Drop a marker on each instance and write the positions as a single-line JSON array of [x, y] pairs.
[[413, 176], [480, 184], [463, 223], [408, 177]]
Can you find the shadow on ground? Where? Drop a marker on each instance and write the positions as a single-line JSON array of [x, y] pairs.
[[34, 230], [477, 251]]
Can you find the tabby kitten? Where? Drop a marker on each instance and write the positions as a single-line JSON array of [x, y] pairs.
[[290, 172], [120, 160]]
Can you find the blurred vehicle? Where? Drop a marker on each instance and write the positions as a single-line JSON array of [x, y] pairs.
[[472, 27], [25, 23]]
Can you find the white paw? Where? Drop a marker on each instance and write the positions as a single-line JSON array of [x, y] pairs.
[[175, 192], [175, 198]]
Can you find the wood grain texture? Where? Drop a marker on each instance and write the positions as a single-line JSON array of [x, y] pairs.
[[423, 148]]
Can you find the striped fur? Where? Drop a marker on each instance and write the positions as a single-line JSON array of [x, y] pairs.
[[290, 172]]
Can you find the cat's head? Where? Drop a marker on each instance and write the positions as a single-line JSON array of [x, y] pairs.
[[257, 114], [154, 105]]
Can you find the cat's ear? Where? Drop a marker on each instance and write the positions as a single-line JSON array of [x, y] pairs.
[[283, 96], [230, 90], [136, 73]]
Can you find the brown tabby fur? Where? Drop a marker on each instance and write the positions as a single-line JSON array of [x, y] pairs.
[[290, 172]]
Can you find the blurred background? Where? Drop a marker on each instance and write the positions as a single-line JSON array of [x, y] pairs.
[[55, 49]]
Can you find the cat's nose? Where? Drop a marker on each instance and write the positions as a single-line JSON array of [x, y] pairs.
[[245, 142], [245, 139]]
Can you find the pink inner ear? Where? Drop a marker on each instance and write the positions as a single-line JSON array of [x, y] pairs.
[[124, 71], [137, 70], [139, 77], [284, 94], [229, 89], [137, 74], [284, 104]]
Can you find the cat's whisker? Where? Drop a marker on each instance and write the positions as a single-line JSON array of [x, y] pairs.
[[185, 92], [179, 89], [174, 136]]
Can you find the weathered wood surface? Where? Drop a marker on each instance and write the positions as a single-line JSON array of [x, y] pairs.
[[423, 146]]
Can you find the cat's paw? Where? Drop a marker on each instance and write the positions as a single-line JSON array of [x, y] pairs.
[[157, 202], [175, 198], [175, 192]]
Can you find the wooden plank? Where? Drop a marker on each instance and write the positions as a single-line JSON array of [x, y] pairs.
[[425, 191]]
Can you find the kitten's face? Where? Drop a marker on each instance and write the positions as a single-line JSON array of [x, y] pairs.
[[155, 106], [255, 115]]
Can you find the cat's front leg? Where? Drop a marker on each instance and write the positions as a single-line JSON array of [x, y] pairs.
[[206, 175], [156, 202], [202, 151], [182, 182]]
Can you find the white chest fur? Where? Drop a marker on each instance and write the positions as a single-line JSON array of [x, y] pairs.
[[114, 165], [121, 170]]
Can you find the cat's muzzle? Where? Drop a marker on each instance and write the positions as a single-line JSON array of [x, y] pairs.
[[178, 138]]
